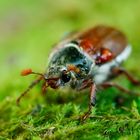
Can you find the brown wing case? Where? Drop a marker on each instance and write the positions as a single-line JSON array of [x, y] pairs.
[[105, 37]]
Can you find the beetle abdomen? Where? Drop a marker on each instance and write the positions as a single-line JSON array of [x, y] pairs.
[[103, 72]]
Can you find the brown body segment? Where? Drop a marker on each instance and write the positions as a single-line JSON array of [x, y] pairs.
[[103, 37]]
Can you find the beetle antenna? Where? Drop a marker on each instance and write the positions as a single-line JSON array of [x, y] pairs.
[[25, 73], [29, 71]]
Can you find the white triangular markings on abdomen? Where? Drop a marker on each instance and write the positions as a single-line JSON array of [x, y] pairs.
[[104, 71]]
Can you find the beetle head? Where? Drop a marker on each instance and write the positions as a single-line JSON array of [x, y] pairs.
[[57, 76]]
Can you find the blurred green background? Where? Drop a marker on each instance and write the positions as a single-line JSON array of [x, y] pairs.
[[28, 29]]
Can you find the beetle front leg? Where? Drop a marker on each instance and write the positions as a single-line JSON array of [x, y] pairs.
[[28, 89], [44, 88], [93, 95], [119, 70], [91, 101]]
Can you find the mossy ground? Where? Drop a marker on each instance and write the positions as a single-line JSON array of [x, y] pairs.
[[27, 31]]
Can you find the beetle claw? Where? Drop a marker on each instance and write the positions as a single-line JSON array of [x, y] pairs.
[[85, 116]]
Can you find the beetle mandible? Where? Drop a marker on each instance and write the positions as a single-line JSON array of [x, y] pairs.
[[86, 59]]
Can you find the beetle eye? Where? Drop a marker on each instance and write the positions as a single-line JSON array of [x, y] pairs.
[[65, 76]]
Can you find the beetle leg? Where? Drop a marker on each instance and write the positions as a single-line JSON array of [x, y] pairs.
[[124, 90], [44, 87], [118, 70], [91, 102], [28, 89], [93, 95], [85, 84]]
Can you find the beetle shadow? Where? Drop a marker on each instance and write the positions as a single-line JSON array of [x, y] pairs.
[[67, 96], [112, 99]]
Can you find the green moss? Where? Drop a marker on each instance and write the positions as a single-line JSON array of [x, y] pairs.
[[27, 31]]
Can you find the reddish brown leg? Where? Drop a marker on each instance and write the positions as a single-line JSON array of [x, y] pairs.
[[124, 90], [118, 71], [91, 102], [85, 84], [28, 89], [44, 88]]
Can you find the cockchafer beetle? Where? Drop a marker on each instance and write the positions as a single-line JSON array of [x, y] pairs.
[[86, 59]]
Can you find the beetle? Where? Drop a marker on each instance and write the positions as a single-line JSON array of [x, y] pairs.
[[87, 59]]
